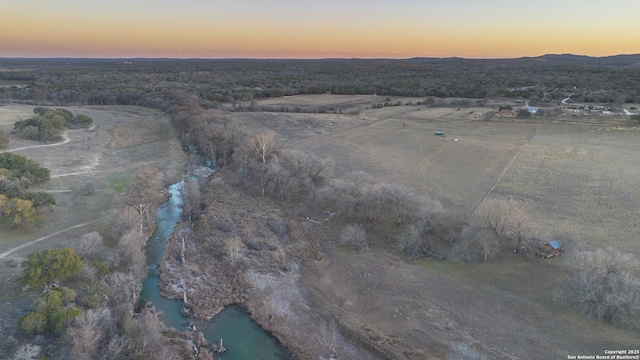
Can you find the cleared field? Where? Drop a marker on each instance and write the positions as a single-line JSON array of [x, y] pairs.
[[346, 104], [294, 127], [456, 169], [322, 100], [10, 114], [581, 183]]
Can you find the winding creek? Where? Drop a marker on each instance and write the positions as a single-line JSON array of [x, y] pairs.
[[243, 338]]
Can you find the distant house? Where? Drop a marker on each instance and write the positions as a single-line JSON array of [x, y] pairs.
[[507, 113], [550, 249]]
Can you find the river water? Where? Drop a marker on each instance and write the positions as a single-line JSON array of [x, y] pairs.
[[242, 337]]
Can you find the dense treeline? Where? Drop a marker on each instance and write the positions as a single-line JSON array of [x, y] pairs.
[[48, 124], [145, 82]]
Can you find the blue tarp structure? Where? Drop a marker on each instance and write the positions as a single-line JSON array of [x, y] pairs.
[[555, 244]]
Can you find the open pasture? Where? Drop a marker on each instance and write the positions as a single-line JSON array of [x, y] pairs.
[[10, 114], [321, 100], [580, 182], [294, 127], [457, 168]]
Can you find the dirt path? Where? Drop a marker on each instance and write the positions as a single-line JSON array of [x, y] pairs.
[[506, 169], [10, 251], [64, 136]]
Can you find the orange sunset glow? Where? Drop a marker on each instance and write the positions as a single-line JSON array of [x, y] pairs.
[[287, 29]]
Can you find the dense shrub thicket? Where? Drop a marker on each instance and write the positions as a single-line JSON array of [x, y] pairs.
[[18, 206], [48, 124]]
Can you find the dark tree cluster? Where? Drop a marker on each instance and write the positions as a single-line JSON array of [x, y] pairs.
[[48, 124], [18, 206], [212, 82]]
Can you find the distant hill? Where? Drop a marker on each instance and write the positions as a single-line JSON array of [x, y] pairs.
[[626, 58]]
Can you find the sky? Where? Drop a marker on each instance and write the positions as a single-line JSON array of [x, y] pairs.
[[317, 28]]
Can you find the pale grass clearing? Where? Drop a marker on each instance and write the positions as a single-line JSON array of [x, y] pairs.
[[581, 184], [320, 100], [405, 150], [9, 114]]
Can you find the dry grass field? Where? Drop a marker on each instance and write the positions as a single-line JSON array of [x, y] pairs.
[[581, 182], [578, 179], [456, 169], [340, 101], [398, 144], [124, 141]]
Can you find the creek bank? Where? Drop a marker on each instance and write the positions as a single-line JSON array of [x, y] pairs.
[[228, 324], [245, 251]]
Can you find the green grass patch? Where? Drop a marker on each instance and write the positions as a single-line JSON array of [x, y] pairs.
[[348, 250], [4, 82], [118, 183]]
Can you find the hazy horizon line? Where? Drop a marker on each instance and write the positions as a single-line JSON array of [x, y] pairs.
[[305, 58]]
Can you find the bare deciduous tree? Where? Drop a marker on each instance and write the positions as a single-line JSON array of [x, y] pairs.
[[131, 250], [88, 244], [355, 236], [508, 221], [233, 249], [262, 144], [477, 243], [27, 352], [398, 197], [192, 199], [487, 243], [128, 217], [89, 332], [414, 243], [124, 288], [116, 348], [602, 285]]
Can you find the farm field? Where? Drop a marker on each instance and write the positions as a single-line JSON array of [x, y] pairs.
[[578, 180], [398, 144]]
